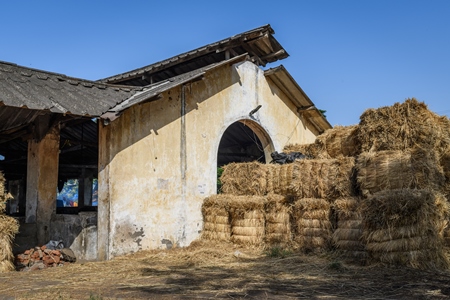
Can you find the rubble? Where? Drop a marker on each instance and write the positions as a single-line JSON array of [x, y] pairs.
[[38, 258]]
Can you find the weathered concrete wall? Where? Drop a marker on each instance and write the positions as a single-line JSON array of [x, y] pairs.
[[158, 160], [77, 232]]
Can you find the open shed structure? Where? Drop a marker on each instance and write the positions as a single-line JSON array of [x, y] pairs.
[[153, 137]]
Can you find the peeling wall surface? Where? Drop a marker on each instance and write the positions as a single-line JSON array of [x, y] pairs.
[[158, 160]]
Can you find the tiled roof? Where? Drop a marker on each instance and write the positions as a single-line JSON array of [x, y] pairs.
[[35, 89]]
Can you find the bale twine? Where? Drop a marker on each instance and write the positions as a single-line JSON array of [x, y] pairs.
[[216, 218], [247, 220], [278, 223], [312, 224], [393, 169], [323, 178], [402, 227], [402, 126], [279, 178], [244, 179], [348, 235]]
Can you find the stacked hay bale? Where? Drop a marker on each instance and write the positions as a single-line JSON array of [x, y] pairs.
[[402, 227], [8, 228], [312, 224], [216, 218], [400, 176], [244, 179], [348, 235], [278, 220], [247, 220]]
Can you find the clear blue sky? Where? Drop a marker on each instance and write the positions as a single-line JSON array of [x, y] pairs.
[[347, 55]]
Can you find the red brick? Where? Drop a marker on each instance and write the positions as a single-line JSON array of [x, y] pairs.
[[43, 248], [27, 252], [56, 258], [56, 252], [48, 260]]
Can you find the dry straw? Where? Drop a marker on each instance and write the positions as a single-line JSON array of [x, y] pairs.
[[278, 221], [314, 150], [247, 220], [402, 227], [340, 141], [216, 218], [403, 126], [409, 169], [8, 229], [323, 178], [312, 224], [244, 179], [279, 178]]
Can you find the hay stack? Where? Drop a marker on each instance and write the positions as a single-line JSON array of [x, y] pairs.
[[348, 235], [386, 170], [314, 150], [244, 179], [402, 227], [216, 218], [340, 141], [323, 178], [247, 220], [312, 224], [402, 126], [279, 178], [278, 223]]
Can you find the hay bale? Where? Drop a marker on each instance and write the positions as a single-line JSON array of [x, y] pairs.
[[244, 179], [340, 141], [247, 220], [323, 178], [216, 218], [313, 151], [348, 236], [409, 169], [312, 224], [279, 178], [9, 227], [278, 223], [402, 126], [403, 227]]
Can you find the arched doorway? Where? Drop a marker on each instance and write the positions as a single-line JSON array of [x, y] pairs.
[[244, 141]]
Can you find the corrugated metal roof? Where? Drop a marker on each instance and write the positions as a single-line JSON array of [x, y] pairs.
[[259, 43], [35, 89], [152, 91], [281, 77]]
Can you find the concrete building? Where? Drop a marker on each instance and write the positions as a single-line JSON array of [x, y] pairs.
[[153, 137]]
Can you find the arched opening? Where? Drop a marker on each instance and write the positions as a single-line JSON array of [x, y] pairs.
[[243, 141]]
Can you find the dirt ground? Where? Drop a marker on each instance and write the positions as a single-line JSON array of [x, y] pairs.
[[223, 271]]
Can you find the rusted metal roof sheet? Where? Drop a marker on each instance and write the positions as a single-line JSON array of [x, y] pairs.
[[258, 43], [286, 83], [40, 90]]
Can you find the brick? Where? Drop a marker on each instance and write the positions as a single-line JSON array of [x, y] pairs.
[[27, 252], [57, 259], [56, 253], [48, 260], [47, 251], [43, 247]]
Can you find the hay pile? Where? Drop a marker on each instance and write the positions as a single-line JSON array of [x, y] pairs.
[[340, 141], [323, 178], [403, 126], [247, 220], [348, 235], [278, 220], [216, 218], [8, 229], [279, 179], [244, 179], [402, 227], [394, 169], [312, 224]]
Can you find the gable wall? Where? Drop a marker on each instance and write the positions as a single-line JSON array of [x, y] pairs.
[[156, 167]]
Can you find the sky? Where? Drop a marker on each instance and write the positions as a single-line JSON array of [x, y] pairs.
[[347, 55]]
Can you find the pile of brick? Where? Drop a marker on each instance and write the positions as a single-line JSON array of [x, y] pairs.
[[38, 258]]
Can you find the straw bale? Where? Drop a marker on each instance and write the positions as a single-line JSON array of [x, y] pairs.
[[278, 223], [244, 179], [279, 178], [347, 209], [340, 141], [351, 234], [313, 223], [420, 259], [404, 244], [349, 245], [308, 204], [409, 169], [314, 150], [323, 178], [402, 207], [9, 227], [312, 243], [402, 126]]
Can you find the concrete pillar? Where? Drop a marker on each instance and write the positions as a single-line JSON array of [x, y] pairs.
[[42, 182], [103, 209]]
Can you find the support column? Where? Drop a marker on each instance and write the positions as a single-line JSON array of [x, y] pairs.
[[42, 182]]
